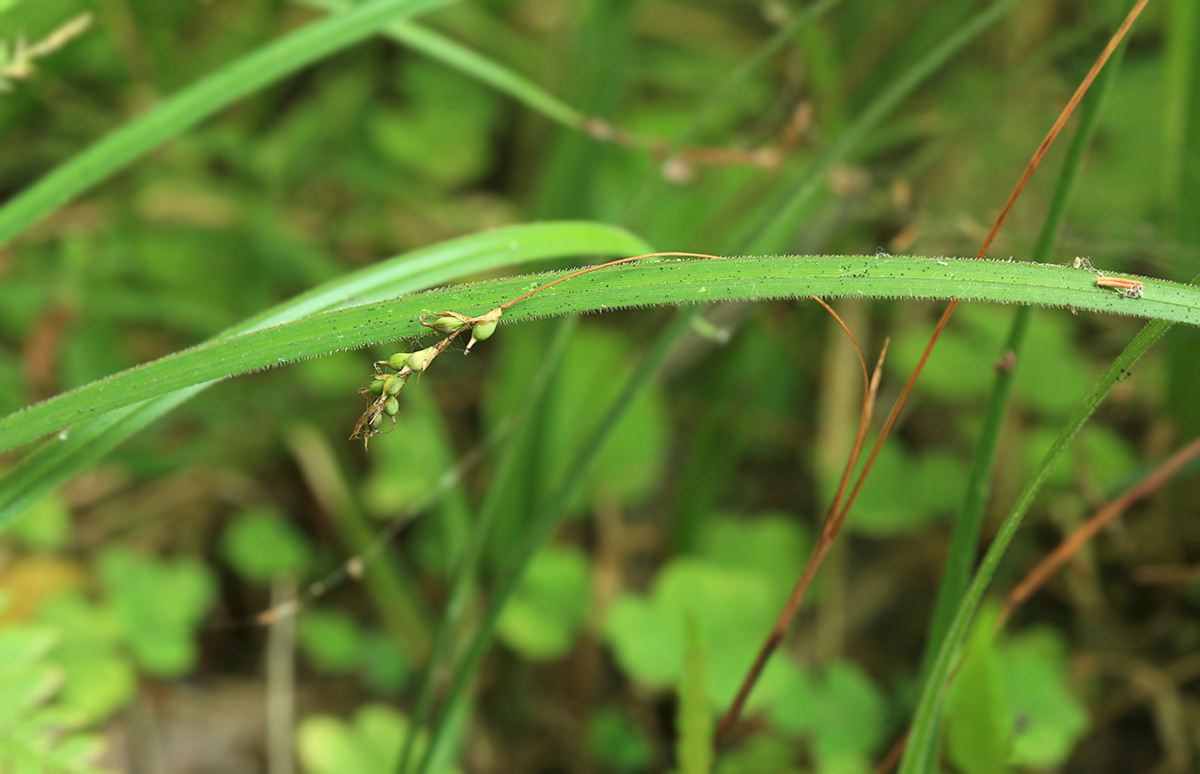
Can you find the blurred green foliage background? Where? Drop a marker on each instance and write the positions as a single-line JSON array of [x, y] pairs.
[[128, 631]]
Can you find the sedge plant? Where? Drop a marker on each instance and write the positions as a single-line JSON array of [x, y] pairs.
[[390, 301]]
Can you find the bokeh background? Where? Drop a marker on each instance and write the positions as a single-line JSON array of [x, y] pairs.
[[130, 595]]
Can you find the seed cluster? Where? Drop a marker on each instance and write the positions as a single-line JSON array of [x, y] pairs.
[[383, 391]]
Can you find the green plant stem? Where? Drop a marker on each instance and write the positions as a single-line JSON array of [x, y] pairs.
[[548, 517], [655, 180], [197, 102], [390, 586], [454, 54], [468, 565], [775, 228], [878, 110], [960, 558], [1180, 113], [921, 753]]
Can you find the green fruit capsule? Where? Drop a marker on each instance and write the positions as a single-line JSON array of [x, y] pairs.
[[391, 407], [375, 421], [376, 385], [393, 385], [485, 326], [397, 361], [444, 323], [484, 330], [419, 360]]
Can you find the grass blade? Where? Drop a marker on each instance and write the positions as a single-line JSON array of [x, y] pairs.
[[455, 55], [86, 443], [776, 227], [654, 182], [1182, 113], [545, 521], [921, 755], [468, 566], [694, 748], [640, 284], [187, 108], [960, 557]]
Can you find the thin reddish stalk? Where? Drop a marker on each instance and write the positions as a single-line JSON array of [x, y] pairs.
[[1051, 136], [900, 402], [1068, 548], [864, 414], [892, 759], [597, 267], [1102, 518], [834, 518], [1115, 41], [832, 525], [1086, 84]]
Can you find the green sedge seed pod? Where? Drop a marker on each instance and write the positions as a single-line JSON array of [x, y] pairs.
[[419, 360], [391, 407], [484, 330], [485, 326], [397, 361], [376, 385], [375, 421], [444, 323], [393, 385]]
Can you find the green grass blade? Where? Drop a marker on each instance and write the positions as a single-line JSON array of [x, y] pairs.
[[729, 87], [654, 182], [781, 219], [403, 610], [547, 519], [638, 284], [879, 109], [88, 442], [468, 566], [1183, 68], [455, 55], [960, 557], [921, 753], [1181, 193], [694, 747], [185, 109]]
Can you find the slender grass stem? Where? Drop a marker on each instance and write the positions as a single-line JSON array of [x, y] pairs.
[[194, 104], [468, 564], [921, 754], [545, 521], [960, 557]]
